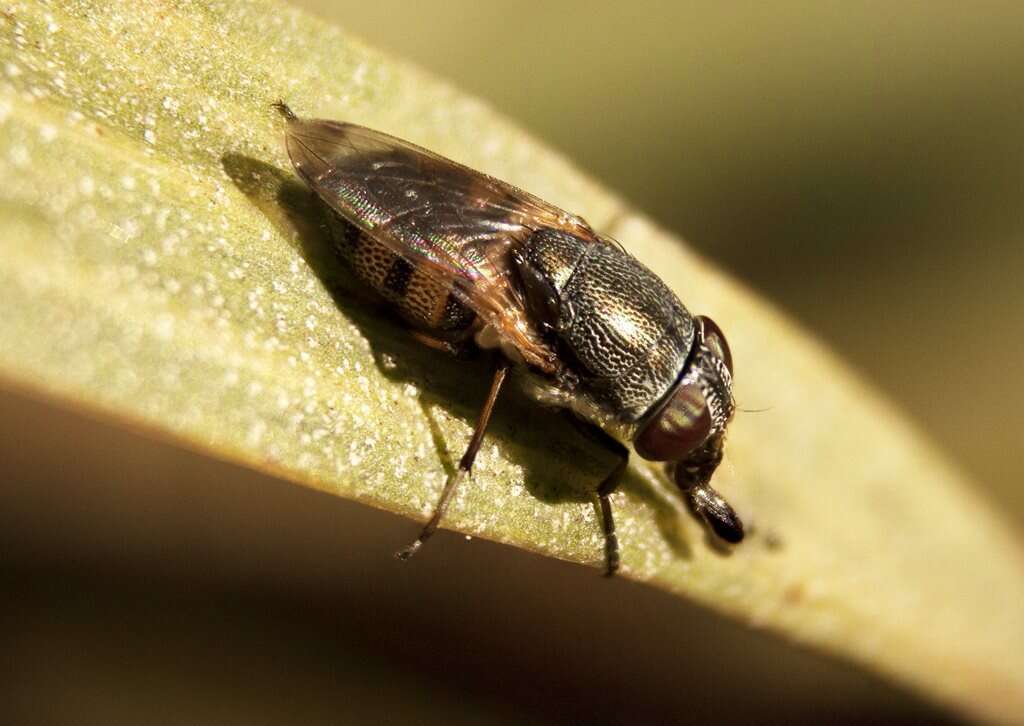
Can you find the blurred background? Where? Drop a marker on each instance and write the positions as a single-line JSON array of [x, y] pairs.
[[860, 164]]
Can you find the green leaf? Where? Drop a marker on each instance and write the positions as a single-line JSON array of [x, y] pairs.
[[161, 265]]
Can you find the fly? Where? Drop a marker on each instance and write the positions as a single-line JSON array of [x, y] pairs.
[[470, 261]]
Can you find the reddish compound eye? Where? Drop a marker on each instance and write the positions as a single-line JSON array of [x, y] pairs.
[[714, 340], [677, 429]]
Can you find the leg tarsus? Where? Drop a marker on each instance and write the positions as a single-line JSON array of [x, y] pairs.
[[435, 519], [611, 540]]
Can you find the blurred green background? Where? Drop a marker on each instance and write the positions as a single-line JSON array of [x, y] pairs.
[[860, 164]]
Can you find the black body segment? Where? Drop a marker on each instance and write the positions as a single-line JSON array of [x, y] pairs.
[[424, 300]]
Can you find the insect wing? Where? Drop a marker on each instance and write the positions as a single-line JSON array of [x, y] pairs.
[[452, 222]]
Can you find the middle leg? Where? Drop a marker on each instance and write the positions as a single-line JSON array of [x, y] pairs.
[[607, 486]]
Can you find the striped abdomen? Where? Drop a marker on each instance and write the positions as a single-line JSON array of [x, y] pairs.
[[424, 301]]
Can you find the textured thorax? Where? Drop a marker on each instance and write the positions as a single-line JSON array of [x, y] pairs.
[[625, 333]]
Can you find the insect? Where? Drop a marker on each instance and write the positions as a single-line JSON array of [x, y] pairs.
[[469, 260]]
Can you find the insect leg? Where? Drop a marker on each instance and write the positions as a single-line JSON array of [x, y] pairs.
[[465, 464], [458, 349], [608, 485]]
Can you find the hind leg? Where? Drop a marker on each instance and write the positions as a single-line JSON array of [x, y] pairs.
[[465, 464]]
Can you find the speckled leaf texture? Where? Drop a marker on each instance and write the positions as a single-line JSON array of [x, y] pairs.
[[160, 264]]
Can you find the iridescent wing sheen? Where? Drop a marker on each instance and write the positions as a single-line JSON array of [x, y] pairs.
[[446, 219]]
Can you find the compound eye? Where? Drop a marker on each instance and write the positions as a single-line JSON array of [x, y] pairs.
[[714, 339], [677, 429]]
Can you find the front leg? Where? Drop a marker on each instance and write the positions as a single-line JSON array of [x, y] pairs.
[[607, 486]]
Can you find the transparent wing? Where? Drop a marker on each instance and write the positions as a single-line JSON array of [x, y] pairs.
[[452, 222]]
